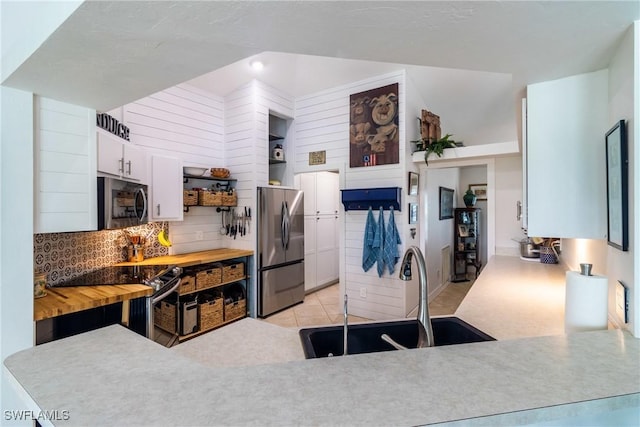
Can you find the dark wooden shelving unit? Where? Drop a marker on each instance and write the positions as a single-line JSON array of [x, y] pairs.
[[466, 244]]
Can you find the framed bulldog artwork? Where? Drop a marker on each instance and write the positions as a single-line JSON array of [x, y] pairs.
[[373, 127]]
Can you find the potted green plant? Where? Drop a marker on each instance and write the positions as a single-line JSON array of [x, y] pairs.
[[436, 146]]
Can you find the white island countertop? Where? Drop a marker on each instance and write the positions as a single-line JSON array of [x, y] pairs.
[[113, 376], [514, 298]]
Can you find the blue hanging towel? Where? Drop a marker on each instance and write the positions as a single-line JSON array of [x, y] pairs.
[[378, 242], [369, 253], [391, 242]]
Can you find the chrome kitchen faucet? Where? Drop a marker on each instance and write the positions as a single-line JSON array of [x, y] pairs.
[[425, 331]]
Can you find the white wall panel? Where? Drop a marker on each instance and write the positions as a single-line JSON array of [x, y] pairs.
[[322, 123], [64, 167], [187, 123]]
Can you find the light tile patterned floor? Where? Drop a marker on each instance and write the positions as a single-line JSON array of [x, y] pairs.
[[324, 307]]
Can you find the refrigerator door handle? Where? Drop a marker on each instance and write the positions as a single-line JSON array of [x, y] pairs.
[[283, 225], [287, 225]]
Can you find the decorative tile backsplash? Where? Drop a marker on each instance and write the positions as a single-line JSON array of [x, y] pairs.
[[63, 256]]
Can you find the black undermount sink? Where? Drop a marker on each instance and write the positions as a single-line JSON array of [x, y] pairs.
[[365, 337]]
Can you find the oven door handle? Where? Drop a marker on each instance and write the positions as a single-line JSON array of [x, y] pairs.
[[158, 298]]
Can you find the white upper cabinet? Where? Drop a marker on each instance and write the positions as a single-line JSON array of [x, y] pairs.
[[327, 194], [121, 158], [65, 193], [166, 189], [321, 195], [566, 123]]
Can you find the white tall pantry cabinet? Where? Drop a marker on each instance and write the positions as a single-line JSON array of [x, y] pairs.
[[321, 243]]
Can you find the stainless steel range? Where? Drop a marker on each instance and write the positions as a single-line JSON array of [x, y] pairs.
[[164, 279]]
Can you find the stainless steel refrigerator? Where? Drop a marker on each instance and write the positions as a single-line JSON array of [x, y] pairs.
[[280, 260]]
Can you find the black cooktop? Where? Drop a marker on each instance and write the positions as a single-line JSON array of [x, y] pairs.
[[117, 275]]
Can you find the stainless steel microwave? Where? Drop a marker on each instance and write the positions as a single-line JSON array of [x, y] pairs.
[[121, 204]]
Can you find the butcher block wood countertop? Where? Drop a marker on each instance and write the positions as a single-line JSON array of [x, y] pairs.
[[62, 300], [194, 258], [65, 300]]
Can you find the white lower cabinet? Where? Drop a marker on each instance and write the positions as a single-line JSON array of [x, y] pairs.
[[326, 250], [166, 189]]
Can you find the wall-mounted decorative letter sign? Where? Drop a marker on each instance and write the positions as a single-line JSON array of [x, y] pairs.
[[111, 125]]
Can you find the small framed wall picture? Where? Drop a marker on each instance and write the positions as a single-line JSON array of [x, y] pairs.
[[617, 161], [413, 213], [412, 188], [480, 190], [446, 203]]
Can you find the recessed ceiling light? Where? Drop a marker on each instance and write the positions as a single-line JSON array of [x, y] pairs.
[[257, 65]]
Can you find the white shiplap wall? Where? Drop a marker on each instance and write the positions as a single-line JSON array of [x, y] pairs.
[[65, 167], [242, 153], [187, 123], [322, 123], [246, 146]]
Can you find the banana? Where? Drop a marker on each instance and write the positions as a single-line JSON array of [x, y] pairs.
[[163, 239]]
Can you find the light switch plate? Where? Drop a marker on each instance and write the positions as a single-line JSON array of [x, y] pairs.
[[622, 302]]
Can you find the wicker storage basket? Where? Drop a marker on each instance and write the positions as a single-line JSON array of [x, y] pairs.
[[235, 302], [232, 271], [165, 316], [210, 311], [229, 198], [187, 284], [234, 310], [190, 197], [209, 277], [220, 173], [209, 197]]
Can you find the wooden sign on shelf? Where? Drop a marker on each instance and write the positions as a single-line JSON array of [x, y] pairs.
[[430, 126]]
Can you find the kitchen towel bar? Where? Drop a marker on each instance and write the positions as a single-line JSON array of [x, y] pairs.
[[364, 198]]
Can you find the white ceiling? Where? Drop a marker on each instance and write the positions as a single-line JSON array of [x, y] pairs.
[[109, 53]]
